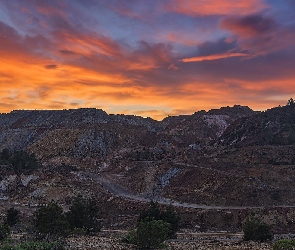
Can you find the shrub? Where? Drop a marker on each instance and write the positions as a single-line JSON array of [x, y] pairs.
[[84, 214], [20, 161], [169, 215], [50, 220], [284, 245], [152, 211], [4, 156], [4, 231], [12, 216], [152, 233], [256, 230], [131, 237], [23, 161], [154, 226], [172, 217]]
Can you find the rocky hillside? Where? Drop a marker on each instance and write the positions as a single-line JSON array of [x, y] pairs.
[[205, 126], [21, 128], [225, 157], [272, 127], [94, 133]]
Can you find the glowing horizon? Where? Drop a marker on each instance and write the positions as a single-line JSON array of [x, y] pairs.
[[153, 59]]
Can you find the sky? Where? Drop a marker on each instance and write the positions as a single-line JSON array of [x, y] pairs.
[[151, 58]]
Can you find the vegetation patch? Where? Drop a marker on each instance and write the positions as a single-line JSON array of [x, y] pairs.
[[256, 230]]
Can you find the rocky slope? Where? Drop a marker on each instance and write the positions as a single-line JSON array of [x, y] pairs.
[[231, 156], [272, 127]]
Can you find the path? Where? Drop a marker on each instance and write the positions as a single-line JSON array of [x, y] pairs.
[[116, 189]]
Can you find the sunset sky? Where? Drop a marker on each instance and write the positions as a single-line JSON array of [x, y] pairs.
[[146, 57]]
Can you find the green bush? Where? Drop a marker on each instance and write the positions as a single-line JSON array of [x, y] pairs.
[[49, 219], [154, 226], [34, 245], [152, 233], [256, 230], [131, 237], [172, 217], [84, 214], [169, 215], [286, 244], [12, 216], [4, 231]]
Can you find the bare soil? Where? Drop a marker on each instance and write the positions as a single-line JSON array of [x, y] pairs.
[[185, 241]]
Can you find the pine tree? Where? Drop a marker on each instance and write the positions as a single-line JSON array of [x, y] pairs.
[[50, 220], [84, 214]]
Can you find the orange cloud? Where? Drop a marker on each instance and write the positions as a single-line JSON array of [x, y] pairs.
[[31, 86], [87, 44], [213, 57], [215, 7]]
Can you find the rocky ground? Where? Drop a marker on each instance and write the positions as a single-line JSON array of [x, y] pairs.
[[185, 241]]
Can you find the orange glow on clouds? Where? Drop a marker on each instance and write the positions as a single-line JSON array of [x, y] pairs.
[[214, 7], [213, 57], [137, 58]]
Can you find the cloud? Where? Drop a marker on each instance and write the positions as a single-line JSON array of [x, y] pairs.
[[172, 67], [258, 34], [249, 26], [215, 7], [85, 44], [50, 66], [149, 56], [12, 43], [67, 52], [213, 57]]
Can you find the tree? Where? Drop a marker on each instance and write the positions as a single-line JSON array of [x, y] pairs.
[[257, 230], [50, 220], [4, 231], [12, 216], [20, 161], [172, 217], [154, 226], [84, 214], [152, 211], [4, 156], [152, 233], [23, 161], [169, 215], [291, 102]]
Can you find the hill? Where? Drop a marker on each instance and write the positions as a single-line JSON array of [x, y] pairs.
[[229, 158]]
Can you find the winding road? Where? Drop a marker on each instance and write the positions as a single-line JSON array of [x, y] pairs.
[[118, 190]]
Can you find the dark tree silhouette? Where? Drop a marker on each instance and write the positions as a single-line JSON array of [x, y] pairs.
[[290, 102], [12, 216], [84, 214], [50, 220]]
